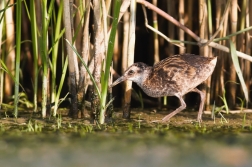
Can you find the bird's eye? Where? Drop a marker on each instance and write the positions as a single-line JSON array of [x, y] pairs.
[[130, 72]]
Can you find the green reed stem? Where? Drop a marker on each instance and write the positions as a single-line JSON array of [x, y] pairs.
[[111, 42], [231, 35], [44, 58], [63, 75], [35, 52], [243, 15], [55, 50], [18, 52], [44, 54]]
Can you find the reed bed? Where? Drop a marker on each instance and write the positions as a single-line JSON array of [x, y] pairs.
[[55, 50]]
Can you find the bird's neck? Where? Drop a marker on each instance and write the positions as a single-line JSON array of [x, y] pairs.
[[144, 76]]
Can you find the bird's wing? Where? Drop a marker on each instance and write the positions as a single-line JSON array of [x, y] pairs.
[[174, 66]]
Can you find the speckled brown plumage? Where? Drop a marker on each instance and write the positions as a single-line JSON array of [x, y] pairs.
[[173, 76]]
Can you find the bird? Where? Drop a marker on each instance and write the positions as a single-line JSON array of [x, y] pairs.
[[175, 75]]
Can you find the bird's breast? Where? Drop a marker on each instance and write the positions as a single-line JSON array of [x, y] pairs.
[[159, 88]]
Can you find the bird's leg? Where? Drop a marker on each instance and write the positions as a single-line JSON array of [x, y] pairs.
[[202, 102], [182, 107]]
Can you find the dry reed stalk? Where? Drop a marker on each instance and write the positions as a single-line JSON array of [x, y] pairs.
[[241, 37], [126, 20], [221, 22], [85, 53], [200, 41], [108, 4], [240, 45], [38, 11], [204, 51], [1, 73], [231, 93], [99, 52], [155, 30], [98, 41], [78, 33], [105, 30], [171, 27], [156, 43], [249, 23], [224, 56], [248, 44], [203, 33], [130, 59], [221, 28], [182, 21], [72, 59], [26, 47], [73, 31], [10, 58], [210, 54], [243, 43], [116, 55], [247, 65], [218, 77], [189, 22]]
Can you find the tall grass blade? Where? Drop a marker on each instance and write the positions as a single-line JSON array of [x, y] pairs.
[[63, 75], [238, 70], [55, 52], [89, 73], [5, 69], [35, 51], [4, 9], [104, 81]]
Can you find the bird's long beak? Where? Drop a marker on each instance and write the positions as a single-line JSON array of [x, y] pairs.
[[119, 80]]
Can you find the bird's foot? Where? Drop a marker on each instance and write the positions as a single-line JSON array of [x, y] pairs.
[[199, 118], [167, 118], [156, 121]]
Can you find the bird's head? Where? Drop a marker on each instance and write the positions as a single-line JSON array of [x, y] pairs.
[[137, 73]]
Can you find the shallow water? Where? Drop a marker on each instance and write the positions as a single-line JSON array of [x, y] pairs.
[[127, 143], [167, 149]]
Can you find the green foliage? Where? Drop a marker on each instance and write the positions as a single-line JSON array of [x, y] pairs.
[[238, 70], [242, 103], [85, 65], [34, 126], [224, 100], [111, 42]]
